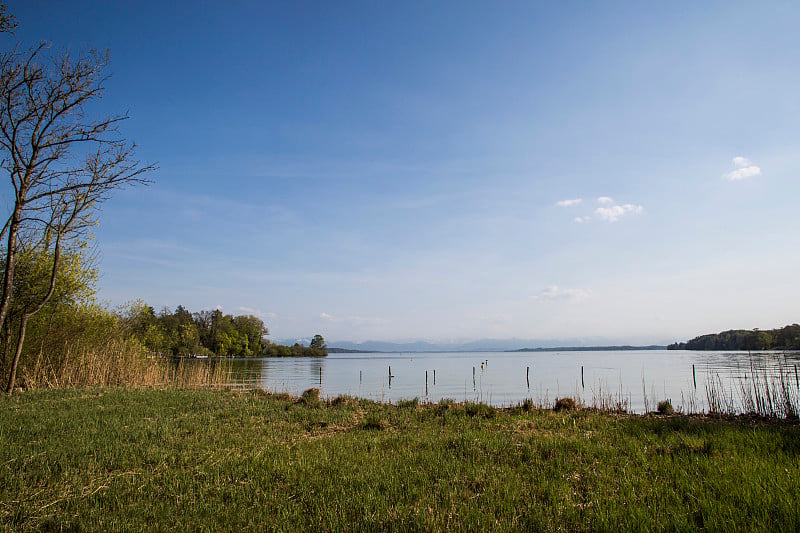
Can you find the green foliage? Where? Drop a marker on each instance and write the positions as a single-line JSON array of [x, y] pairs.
[[373, 421], [665, 407], [480, 410], [318, 342], [413, 403], [786, 338], [297, 350], [182, 333], [71, 316]]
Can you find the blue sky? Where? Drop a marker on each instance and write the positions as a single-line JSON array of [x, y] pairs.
[[453, 170]]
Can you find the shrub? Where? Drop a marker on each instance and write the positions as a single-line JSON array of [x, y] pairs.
[[565, 404], [665, 407], [310, 398]]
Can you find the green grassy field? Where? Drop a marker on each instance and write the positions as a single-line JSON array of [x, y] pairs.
[[128, 459]]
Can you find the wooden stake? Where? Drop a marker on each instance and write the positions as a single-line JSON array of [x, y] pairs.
[[582, 386], [528, 376], [694, 378]]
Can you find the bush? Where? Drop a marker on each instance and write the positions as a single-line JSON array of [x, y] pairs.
[[310, 398], [665, 407], [565, 404]]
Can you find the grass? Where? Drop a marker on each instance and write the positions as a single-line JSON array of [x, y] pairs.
[[142, 459]]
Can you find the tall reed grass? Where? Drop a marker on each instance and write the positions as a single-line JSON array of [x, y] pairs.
[[117, 362], [764, 391], [121, 363]]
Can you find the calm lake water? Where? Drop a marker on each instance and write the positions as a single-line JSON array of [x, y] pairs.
[[503, 379]]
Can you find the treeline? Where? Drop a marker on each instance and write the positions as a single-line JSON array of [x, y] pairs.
[[183, 333], [72, 340], [786, 338]]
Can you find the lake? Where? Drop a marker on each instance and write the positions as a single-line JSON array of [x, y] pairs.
[[631, 378]]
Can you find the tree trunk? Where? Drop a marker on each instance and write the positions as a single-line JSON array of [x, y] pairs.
[[6, 344], [12, 375], [11, 255], [25, 316]]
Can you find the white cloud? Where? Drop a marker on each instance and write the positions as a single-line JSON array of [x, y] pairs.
[[744, 169], [608, 210], [615, 212], [554, 292], [569, 203], [256, 312]]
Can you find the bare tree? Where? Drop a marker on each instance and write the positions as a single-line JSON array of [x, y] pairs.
[[61, 163], [7, 21]]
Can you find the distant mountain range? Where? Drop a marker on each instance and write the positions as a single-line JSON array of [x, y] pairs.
[[482, 345]]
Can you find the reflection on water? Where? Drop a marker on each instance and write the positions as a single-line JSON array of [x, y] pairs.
[[500, 378]]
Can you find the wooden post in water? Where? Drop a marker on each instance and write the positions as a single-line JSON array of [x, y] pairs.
[[694, 378], [796, 379], [426, 383], [434, 376], [473, 378], [359, 376], [582, 386], [320, 375], [528, 376]]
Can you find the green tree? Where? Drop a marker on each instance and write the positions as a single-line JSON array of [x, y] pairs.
[[318, 342], [39, 288], [758, 340], [60, 162]]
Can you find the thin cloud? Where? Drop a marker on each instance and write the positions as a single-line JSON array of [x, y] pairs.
[[615, 212], [744, 169], [608, 210], [569, 203], [351, 320], [256, 312], [554, 292]]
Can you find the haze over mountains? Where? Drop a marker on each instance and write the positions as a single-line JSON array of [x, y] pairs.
[[481, 345]]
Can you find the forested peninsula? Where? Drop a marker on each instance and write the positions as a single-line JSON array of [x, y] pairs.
[[786, 338], [210, 333]]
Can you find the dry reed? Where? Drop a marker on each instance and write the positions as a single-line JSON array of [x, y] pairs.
[[119, 362]]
